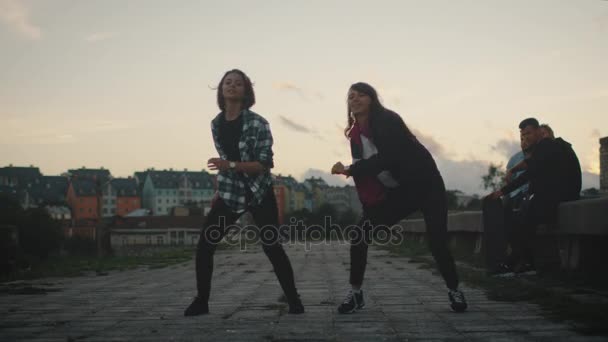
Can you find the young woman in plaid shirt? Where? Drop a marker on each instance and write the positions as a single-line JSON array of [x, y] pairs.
[[243, 141]]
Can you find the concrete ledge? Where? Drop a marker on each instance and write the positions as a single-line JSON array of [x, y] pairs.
[[466, 221], [578, 242], [584, 217]]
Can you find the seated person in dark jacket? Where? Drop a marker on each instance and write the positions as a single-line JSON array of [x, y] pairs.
[[500, 219], [554, 175], [574, 169]]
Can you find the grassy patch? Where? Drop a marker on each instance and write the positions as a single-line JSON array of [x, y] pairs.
[[555, 293], [70, 266]]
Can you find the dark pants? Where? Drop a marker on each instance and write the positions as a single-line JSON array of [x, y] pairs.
[[501, 222], [398, 205], [533, 212], [214, 229], [513, 217], [514, 221]]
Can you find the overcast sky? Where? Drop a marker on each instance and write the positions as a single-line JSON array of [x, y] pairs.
[[127, 84]]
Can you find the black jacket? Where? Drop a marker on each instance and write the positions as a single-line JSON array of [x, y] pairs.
[[408, 161], [554, 172]]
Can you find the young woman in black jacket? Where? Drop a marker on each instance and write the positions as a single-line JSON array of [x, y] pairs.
[[395, 175]]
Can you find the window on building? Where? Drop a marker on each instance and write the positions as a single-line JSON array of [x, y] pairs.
[[82, 210], [125, 241], [168, 201], [148, 240], [160, 240], [113, 211], [160, 201], [105, 210], [113, 201]]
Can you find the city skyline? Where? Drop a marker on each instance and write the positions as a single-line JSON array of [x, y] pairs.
[[128, 85]]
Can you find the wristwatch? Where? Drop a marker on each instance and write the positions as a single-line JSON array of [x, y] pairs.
[[232, 165]]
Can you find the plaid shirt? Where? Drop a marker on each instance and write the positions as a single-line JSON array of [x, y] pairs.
[[255, 145]]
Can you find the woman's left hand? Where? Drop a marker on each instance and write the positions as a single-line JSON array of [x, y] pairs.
[[338, 169], [218, 164]]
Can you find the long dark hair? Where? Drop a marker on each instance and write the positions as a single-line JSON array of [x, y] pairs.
[[248, 100], [376, 108]]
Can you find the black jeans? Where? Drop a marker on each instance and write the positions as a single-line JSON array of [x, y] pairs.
[[533, 212], [398, 205], [502, 219], [214, 229]]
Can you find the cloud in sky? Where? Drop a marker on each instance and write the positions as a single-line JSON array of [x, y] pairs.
[[290, 87], [40, 138], [294, 125], [463, 175], [16, 15], [430, 143], [506, 147], [287, 86], [301, 92], [99, 36], [50, 132], [590, 180], [106, 125]]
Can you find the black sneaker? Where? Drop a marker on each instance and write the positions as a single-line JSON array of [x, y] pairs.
[[459, 304], [296, 307], [198, 307], [353, 302]]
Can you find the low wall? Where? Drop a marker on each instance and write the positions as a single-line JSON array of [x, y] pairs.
[[148, 251], [579, 241]]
